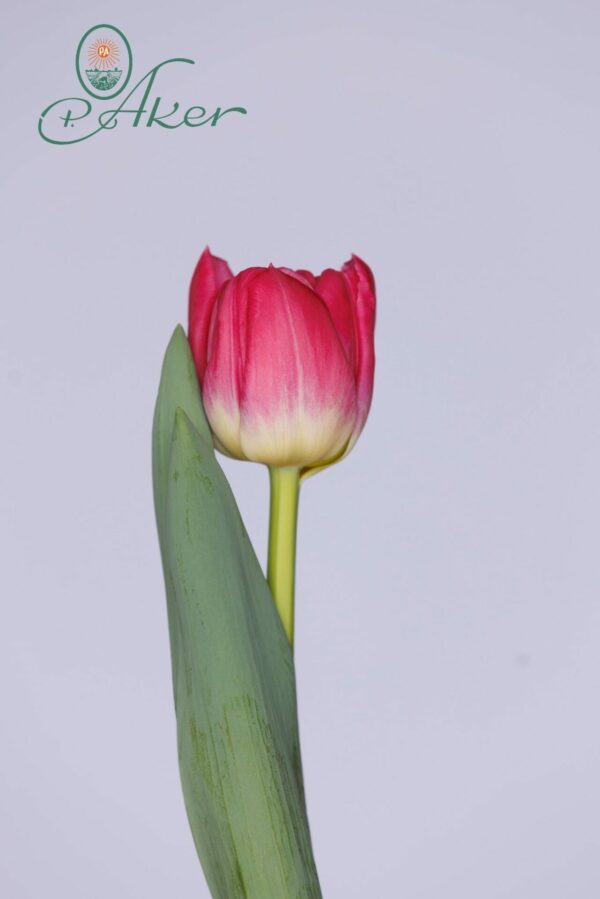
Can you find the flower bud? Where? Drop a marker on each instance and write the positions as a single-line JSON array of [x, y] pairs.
[[285, 359]]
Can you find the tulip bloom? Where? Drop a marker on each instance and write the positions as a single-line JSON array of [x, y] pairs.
[[285, 359]]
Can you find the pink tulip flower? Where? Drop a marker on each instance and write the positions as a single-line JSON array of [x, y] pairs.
[[285, 359]]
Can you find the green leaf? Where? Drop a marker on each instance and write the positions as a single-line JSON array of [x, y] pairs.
[[233, 670]]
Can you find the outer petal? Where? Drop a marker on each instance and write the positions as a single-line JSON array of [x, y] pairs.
[[308, 276], [209, 276], [361, 283], [302, 275], [225, 354], [221, 379], [298, 402], [335, 291]]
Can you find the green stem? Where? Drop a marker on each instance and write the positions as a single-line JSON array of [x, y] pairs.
[[281, 566]]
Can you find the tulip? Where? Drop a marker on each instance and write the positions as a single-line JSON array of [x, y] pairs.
[[285, 361]]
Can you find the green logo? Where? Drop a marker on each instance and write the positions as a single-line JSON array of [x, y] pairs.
[[104, 66], [103, 61]]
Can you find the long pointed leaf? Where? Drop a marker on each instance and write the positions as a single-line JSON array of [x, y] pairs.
[[232, 666]]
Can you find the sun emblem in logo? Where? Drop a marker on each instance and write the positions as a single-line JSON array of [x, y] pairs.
[[103, 56]]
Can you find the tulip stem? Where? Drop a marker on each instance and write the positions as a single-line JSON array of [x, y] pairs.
[[281, 565]]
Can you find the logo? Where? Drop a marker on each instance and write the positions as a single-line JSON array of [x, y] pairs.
[[104, 67], [103, 62]]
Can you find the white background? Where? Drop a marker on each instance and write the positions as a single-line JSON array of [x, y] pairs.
[[448, 639]]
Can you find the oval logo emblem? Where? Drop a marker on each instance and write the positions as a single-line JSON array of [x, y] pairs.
[[103, 61]]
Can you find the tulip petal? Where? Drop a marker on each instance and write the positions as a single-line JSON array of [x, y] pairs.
[[362, 285], [302, 275], [298, 402], [308, 276], [209, 276], [225, 355], [334, 289]]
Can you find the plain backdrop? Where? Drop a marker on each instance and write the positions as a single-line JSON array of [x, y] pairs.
[[448, 630]]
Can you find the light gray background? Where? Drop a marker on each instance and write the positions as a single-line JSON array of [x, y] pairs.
[[448, 622]]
